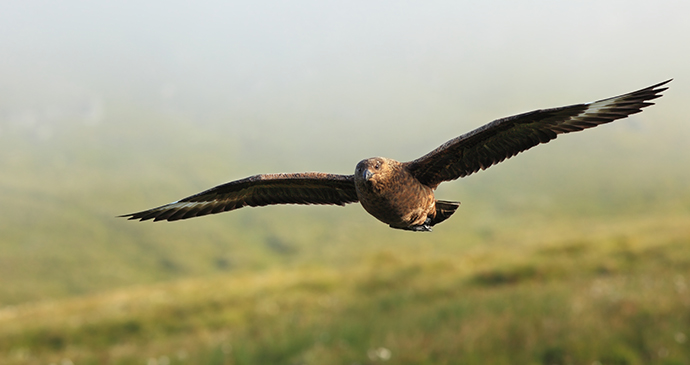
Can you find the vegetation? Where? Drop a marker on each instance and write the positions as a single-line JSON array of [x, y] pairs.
[[619, 296]]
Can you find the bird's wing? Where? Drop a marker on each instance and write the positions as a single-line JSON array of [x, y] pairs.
[[505, 138], [258, 190]]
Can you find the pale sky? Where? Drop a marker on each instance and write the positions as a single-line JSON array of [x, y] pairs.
[[332, 68]]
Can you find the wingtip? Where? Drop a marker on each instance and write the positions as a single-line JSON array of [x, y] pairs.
[[656, 87], [657, 90], [133, 217]]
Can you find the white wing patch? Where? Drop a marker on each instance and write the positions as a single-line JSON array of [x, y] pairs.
[[599, 106], [183, 205]]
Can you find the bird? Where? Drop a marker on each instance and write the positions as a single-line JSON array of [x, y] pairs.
[[401, 194]]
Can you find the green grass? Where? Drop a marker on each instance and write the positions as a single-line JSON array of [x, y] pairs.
[[614, 297]]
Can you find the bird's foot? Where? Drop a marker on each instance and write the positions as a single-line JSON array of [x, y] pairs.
[[419, 228]]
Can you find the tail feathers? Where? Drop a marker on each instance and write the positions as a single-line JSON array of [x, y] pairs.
[[444, 209]]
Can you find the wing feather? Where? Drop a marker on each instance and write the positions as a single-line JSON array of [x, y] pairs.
[[506, 137], [258, 190]]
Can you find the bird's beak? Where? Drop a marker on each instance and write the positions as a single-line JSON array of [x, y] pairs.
[[366, 174]]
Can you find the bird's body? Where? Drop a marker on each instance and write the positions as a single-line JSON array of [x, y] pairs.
[[393, 195], [401, 194]]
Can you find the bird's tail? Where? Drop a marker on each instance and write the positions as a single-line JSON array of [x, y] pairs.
[[444, 209]]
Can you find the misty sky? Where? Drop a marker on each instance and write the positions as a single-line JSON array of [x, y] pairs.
[[342, 70]]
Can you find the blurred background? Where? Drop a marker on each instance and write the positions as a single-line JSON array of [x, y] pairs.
[[575, 252]]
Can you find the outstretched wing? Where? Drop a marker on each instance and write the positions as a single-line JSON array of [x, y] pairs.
[[258, 190], [505, 138]]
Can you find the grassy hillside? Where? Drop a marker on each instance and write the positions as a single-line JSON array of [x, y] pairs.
[[615, 295]]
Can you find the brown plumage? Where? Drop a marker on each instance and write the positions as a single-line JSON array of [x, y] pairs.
[[401, 194]]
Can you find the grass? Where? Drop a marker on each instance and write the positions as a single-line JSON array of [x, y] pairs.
[[614, 297]]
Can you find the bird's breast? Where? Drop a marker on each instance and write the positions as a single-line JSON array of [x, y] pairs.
[[400, 200]]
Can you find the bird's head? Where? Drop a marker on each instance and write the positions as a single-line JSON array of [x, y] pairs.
[[373, 170]]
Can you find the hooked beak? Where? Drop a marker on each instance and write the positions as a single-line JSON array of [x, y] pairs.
[[366, 174]]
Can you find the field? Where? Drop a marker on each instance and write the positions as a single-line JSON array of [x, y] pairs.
[[553, 258], [618, 295]]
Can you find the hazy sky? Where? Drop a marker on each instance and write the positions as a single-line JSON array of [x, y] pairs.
[[324, 67]]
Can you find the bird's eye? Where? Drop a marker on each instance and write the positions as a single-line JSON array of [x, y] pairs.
[[377, 166]]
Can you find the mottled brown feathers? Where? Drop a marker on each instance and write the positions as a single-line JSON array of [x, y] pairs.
[[401, 194], [390, 193]]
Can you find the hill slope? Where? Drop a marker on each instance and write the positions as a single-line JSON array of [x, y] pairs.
[[618, 295]]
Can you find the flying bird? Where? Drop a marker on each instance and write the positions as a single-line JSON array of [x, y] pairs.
[[401, 194]]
